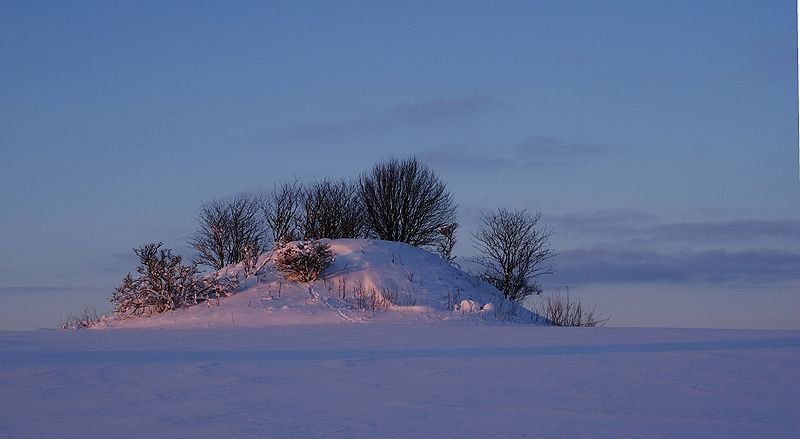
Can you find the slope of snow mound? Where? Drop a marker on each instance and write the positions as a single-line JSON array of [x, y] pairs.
[[369, 280]]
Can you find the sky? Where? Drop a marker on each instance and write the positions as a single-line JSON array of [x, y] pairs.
[[659, 140]]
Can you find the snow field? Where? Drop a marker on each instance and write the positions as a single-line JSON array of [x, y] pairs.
[[444, 379]]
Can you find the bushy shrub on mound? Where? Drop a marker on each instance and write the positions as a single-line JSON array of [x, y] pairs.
[[303, 261], [164, 284]]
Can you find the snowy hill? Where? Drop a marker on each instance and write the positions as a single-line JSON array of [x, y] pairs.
[[369, 280]]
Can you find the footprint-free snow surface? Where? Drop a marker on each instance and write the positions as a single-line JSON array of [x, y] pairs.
[[444, 379]]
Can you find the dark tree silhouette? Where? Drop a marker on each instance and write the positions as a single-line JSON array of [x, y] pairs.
[[513, 252], [333, 209], [405, 201], [230, 230], [283, 212]]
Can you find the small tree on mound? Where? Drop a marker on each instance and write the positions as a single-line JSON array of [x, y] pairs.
[[333, 209], [406, 202], [163, 284], [229, 231], [513, 252], [303, 261], [283, 212]]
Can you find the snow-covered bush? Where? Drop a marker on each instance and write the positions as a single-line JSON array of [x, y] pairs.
[[468, 306], [303, 261], [164, 283]]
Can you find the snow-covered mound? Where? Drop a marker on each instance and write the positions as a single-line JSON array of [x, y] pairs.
[[369, 280]]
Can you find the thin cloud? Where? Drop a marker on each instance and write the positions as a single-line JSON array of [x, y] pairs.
[[635, 246], [603, 220], [465, 159], [748, 267], [432, 111], [786, 230], [535, 148], [44, 289], [643, 227], [401, 115], [531, 152]]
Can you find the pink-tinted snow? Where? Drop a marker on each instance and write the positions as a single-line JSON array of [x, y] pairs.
[[446, 379]]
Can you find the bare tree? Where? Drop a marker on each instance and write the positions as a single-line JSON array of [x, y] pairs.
[[229, 231], [282, 210], [513, 252], [406, 202], [210, 240], [333, 209]]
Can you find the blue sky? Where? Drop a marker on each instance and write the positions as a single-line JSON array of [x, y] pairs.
[[659, 139]]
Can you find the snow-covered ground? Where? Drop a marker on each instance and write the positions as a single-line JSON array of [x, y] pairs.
[[455, 378], [284, 360]]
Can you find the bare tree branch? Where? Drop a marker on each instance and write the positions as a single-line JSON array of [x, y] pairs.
[[333, 209], [229, 231], [513, 252], [282, 210], [406, 202]]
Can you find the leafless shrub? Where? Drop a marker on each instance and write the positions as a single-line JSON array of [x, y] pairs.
[[513, 252], [164, 283], [86, 319], [230, 230], [561, 310], [250, 260], [406, 202], [446, 242], [283, 211], [333, 209], [369, 299], [398, 297], [303, 261]]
